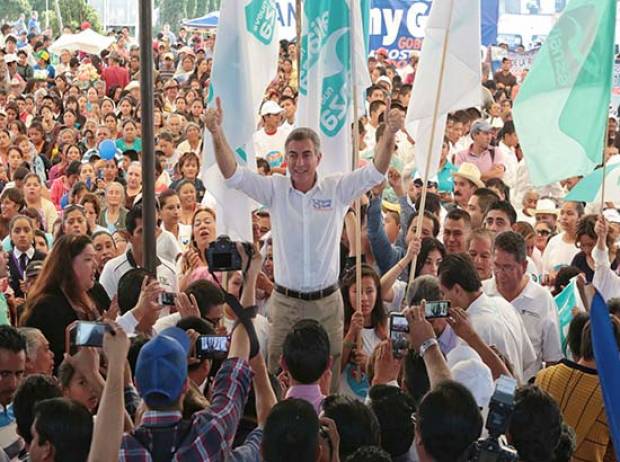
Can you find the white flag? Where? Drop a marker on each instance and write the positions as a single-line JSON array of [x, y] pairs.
[[244, 62], [326, 81], [452, 37]]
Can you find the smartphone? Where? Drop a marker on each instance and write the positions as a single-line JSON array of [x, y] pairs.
[[399, 330], [212, 346], [437, 309], [167, 298], [90, 333], [100, 174]]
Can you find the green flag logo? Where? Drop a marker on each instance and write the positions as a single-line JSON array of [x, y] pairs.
[[328, 43], [260, 17]]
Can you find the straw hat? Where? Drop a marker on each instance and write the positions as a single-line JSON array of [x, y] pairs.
[[470, 172], [546, 206]]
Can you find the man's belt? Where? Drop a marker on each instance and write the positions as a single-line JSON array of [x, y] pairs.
[[307, 296]]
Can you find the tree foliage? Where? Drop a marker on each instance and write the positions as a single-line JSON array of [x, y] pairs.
[[74, 13], [172, 12], [11, 9]]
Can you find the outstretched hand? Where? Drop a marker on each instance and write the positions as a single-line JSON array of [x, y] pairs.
[[395, 120], [214, 117]]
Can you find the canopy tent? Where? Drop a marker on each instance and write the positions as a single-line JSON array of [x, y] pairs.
[[87, 41], [209, 21]]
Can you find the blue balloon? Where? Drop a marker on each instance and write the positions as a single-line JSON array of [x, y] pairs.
[[107, 149]]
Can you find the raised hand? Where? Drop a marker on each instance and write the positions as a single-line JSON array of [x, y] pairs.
[[214, 117]]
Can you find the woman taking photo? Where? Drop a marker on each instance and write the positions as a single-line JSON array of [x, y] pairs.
[[369, 324], [65, 291]]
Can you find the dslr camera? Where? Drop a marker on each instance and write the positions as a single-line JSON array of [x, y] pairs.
[[222, 254], [494, 448]]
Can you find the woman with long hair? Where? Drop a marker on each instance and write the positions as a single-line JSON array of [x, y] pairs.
[[430, 252], [366, 328], [65, 291], [193, 263]]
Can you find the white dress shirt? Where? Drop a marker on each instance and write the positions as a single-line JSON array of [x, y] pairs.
[[605, 280], [540, 318], [306, 227], [496, 321]]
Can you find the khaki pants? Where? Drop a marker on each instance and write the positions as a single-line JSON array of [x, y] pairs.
[[285, 312]]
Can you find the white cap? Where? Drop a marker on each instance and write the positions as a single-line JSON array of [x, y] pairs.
[[270, 107], [611, 215], [10, 58]]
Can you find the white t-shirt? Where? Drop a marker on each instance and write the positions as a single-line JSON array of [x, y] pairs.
[[167, 246], [271, 147], [558, 253]]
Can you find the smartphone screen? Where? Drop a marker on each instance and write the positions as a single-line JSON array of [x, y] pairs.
[[90, 334], [437, 309], [212, 346], [399, 330], [167, 298]]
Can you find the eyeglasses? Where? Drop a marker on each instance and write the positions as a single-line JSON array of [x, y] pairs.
[[429, 184], [543, 232]]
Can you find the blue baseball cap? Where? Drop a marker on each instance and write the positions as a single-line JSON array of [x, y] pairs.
[[161, 369]]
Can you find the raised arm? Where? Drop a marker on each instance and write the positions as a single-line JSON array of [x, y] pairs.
[[224, 154], [389, 278], [385, 147]]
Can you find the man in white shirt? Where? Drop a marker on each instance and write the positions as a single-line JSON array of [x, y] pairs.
[[535, 304], [269, 140], [307, 216], [133, 258], [493, 318]]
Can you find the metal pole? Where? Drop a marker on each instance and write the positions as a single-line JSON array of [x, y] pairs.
[[148, 137]]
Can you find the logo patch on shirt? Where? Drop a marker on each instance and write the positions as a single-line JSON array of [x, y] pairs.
[[322, 204]]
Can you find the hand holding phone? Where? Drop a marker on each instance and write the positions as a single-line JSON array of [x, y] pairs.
[[212, 347], [91, 333]]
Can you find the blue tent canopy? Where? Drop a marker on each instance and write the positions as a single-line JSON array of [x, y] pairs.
[[209, 21]]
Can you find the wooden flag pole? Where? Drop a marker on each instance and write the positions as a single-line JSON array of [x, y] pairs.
[[604, 173], [298, 10], [420, 217], [354, 161]]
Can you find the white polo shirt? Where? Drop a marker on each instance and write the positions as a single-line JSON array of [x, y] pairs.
[[306, 227], [540, 317], [115, 268], [498, 324]]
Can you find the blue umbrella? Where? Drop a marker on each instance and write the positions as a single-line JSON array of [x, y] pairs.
[[209, 21]]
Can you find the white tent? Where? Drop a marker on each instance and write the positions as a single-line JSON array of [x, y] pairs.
[[87, 41]]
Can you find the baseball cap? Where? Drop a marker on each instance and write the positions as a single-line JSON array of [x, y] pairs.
[[161, 369], [168, 55], [385, 79], [480, 125], [270, 107], [10, 58]]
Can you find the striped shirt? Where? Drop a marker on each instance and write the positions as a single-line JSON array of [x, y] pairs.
[[577, 391]]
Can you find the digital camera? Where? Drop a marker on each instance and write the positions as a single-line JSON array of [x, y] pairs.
[[222, 254]]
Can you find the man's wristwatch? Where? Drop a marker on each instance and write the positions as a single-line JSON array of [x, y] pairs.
[[426, 345]]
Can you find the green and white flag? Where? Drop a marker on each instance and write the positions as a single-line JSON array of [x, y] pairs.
[[244, 62], [326, 77], [561, 111], [566, 301]]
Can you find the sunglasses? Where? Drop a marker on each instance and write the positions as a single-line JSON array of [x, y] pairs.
[[543, 232], [420, 183]]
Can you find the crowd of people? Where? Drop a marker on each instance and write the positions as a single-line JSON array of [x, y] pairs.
[[308, 372]]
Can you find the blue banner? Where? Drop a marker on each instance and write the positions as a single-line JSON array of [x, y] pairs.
[[398, 25]]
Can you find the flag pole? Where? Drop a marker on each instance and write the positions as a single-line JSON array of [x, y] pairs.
[[354, 161], [418, 231], [298, 8], [604, 173]]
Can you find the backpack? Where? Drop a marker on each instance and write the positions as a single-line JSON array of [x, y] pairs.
[[162, 443]]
